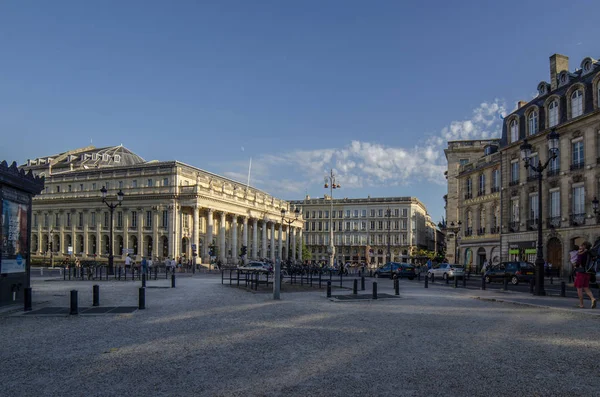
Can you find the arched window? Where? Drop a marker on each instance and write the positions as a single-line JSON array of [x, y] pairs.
[[553, 113], [576, 104], [514, 131], [533, 122]]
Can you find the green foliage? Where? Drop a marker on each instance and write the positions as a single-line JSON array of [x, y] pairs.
[[306, 255]]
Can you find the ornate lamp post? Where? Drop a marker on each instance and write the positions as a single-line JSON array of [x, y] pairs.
[[455, 229], [112, 207], [289, 222], [553, 139], [331, 183]]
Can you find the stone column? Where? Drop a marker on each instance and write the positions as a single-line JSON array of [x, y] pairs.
[[255, 239], [273, 241], [98, 239], [63, 249], [245, 238], [173, 232], [300, 242], [288, 236], [73, 233], [125, 231], [280, 245], [234, 232], [141, 245], [209, 234], [40, 249], [293, 237], [222, 253], [85, 234], [196, 228], [263, 252], [155, 253]]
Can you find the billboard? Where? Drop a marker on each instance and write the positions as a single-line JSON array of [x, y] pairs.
[[14, 237]]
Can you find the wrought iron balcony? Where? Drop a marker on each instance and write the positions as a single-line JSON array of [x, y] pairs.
[[577, 166], [577, 219], [513, 183], [553, 222], [532, 224], [481, 193], [553, 172], [495, 189], [468, 231], [468, 196], [481, 231], [495, 230], [514, 226]]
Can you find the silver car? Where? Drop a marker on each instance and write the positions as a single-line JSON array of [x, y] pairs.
[[446, 270], [257, 266]]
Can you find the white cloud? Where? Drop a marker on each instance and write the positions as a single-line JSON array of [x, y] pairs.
[[363, 164]]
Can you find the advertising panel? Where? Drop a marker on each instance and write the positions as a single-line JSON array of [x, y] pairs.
[[14, 237]]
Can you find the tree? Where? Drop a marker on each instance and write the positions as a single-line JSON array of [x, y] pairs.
[[306, 255]]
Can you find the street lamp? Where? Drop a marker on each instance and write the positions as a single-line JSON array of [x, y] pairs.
[[111, 207], [331, 183], [455, 229], [289, 222], [553, 139]]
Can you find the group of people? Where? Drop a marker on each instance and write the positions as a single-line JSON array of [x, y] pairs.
[[146, 264]]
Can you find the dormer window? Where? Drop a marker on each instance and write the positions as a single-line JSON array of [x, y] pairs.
[[587, 66], [514, 131], [532, 122], [563, 78], [117, 158], [95, 156], [105, 157], [553, 113], [576, 104]]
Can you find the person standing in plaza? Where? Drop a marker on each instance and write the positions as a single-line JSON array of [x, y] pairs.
[[144, 265], [582, 279]]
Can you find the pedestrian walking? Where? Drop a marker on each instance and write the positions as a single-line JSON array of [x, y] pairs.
[[582, 279]]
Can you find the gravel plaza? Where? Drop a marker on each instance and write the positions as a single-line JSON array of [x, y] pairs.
[[207, 339]]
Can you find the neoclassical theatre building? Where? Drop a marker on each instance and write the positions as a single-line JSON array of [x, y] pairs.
[[170, 209]]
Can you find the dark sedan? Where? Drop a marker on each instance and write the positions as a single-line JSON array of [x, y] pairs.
[[387, 270], [406, 270], [515, 271]]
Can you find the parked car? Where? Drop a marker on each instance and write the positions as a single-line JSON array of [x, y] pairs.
[[387, 269], [446, 270], [406, 270], [257, 266], [516, 272]]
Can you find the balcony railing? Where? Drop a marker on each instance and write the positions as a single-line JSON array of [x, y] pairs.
[[132, 227], [532, 224], [553, 172], [495, 189], [495, 230], [468, 196], [514, 226], [481, 193], [577, 219], [468, 231], [513, 183], [577, 166], [553, 222], [481, 231]]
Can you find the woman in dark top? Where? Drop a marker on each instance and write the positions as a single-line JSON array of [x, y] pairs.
[[582, 279]]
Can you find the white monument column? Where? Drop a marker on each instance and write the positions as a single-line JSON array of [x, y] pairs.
[[222, 239], [245, 238], [280, 245], [300, 242], [196, 229], [263, 252], [272, 241], [209, 234], [98, 240], [141, 245], [85, 234], [254, 239], [73, 234], [234, 235], [156, 255], [293, 236]]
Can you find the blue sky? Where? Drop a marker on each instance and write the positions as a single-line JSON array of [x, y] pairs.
[[373, 89]]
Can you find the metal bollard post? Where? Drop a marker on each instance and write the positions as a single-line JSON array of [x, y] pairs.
[[531, 285], [432, 278], [27, 299], [173, 280], [505, 286], [144, 280], [319, 280], [120, 268], [96, 295], [73, 309], [142, 298], [374, 289], [482, 283], [362, 283], [64, 274], [563, 288], [426, 284], [341, 280], [328, 289], [397, 287], [551, 281], [355, 287], [464, 282], [156, 273], [447, 279], [419, 276], [455, 281]]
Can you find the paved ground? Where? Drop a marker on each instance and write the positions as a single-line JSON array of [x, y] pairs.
[[206, 339]]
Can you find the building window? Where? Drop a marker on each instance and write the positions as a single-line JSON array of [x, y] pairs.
[[81, 187], [150, 184], [69, 188], [68, 219], [514, 172], [396, 212], [554, 166], [149, 219], [404, 224], [117, 158], [553, 113], [320, 226], [314, 214], [469, 189], [396, 225], [364, 213], [106, 220], [576, 104], [120, 219], [35, 220], [356, 213], [347, 225], [514, 131], [463, 161], [134, 183], [533, 207], [57, 220], [307, 215], [313, 226], [578, 159], [347, 213], [363, 226], [46, 220], [107, 186], [496, 180], [555, 204], [380, 225], [340, 214], [320, 214], [380, 213], [372, 213], [482, 184], [57, 189], [533, 122], [93, 222], [404, 212], [578, 200], [372, 225], [326, 214], [80, 220], [533, 162], [133, 219], [120, 184]]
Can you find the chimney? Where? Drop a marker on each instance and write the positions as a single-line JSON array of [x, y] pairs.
[[558, 63], [520, 104]]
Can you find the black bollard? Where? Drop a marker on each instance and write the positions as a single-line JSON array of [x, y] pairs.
[[362, 283], [142, 298], [505, 286], [455, 281], [355, 287], [341, 280], [464, 282], [531, 285], [27, 299], [64, 274], [173, 280], [96, 295], [328, 289], [73, 309], [120, 273], [482, 283], [551, 281], [374, 289], [432, 278], [563, 288], [319, 280], [397, 287], [447, 279], [419, 276], [156, 273], [144, 280], [426, 284]]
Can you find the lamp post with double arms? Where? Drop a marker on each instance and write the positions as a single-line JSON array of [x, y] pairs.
[[331, 183], [455, 229], [553, 139], [111, 207], [289, 222]]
